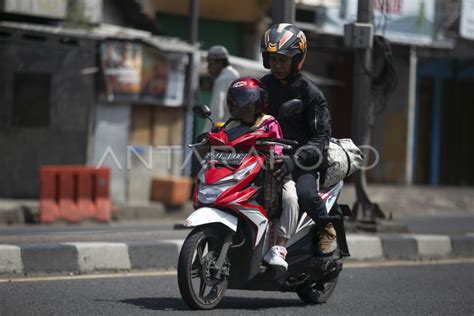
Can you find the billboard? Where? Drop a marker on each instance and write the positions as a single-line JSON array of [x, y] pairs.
[[402, 21], [466, 28], [121, 63], [137, 72]]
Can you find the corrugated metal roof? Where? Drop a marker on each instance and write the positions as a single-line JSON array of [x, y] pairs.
[[107, 31], [246, 67]]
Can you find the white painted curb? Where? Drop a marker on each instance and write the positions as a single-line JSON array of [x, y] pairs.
[[100, 256], [364, 247], [433, 245], [93, 256], [10, 259]]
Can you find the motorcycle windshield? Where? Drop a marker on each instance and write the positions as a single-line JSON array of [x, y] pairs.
[[238, 131]]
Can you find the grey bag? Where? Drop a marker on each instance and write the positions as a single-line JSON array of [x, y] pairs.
[[344, 157]]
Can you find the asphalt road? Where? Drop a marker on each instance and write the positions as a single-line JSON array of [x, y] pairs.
[[427, 289], [126, 232]]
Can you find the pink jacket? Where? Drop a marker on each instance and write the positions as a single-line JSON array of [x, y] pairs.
[[273, 126], [263, 122]]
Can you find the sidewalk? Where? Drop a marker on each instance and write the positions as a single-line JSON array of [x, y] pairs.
[[85, 257], [416, 200], [19, 211], [397, 201]]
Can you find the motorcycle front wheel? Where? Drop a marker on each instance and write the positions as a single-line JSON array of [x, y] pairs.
[[200, 284]]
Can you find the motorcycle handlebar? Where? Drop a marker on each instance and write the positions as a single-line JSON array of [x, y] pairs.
[[287, 142], [276, 143], [202, 143]]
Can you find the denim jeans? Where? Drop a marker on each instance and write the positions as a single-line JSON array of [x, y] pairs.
[[307, 187]]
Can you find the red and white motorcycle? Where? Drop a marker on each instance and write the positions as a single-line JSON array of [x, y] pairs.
[[235, 202]]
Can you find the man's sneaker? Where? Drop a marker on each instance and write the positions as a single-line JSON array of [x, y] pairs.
[[276, 257], [327, 239]]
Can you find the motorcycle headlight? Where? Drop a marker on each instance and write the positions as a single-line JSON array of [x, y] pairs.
[[208, 193], [239, 175]]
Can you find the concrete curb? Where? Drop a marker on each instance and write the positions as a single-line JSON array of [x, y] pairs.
[[85, 257]]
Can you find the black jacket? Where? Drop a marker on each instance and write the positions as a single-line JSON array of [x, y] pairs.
[[311, 127]]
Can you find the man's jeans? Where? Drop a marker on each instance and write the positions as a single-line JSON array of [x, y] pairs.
[[307, 187]]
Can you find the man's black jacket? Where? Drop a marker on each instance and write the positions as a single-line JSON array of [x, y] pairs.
[[311, 127]]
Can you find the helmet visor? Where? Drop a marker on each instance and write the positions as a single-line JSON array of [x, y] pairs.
[[286, 52], [244, 114]]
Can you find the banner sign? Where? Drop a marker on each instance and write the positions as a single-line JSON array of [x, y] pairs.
[[137, 72], [402, 21], [466, 27]]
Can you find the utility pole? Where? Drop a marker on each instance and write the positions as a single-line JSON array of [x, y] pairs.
[[361, 38], [191, 82], [194, 21], [283, 11]]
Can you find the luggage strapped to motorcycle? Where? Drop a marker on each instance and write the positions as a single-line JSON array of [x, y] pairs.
[[344, 158]]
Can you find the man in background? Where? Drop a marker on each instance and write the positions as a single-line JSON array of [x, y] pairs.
[[223, 74]]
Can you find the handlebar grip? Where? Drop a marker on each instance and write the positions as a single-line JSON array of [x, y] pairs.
[[288, 142], [274, 143]]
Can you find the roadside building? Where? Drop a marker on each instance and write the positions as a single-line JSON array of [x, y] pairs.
[[420, 130], [90, 93], [414, 125]]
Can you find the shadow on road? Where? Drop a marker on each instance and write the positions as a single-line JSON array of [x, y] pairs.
[[177, 304]]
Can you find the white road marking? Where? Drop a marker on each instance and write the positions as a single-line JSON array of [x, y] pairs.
[[400, 263], [347, 265], [90, 276]]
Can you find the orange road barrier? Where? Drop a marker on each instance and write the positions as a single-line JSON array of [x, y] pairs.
[[74, 193]]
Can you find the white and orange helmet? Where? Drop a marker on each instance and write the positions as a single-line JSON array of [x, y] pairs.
[[286, 39]]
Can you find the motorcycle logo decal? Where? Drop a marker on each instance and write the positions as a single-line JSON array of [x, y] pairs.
[[239, 84]]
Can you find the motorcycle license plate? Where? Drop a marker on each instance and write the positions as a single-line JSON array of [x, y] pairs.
[[223, 158]]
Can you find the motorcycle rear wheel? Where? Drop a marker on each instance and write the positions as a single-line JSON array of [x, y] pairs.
[[197, 281], [316, 292]]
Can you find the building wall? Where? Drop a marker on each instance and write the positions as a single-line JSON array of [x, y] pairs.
[[109, 145], [39, 127], [111, 14], [389, 134], [210, 32], [334, 64], [156, 139], [237, 11], [444, 152]]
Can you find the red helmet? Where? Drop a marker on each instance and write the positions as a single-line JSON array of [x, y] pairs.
[[246, 95], [284, 39]]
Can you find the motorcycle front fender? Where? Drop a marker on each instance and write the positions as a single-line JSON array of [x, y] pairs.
[[207, 215]]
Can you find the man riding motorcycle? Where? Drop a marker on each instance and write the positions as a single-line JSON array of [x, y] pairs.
[[283, 47]]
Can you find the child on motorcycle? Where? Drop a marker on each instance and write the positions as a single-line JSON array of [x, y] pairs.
[[247, 102]]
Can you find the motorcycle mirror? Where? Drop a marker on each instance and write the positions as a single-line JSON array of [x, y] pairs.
[[290, 108], [202, 111]]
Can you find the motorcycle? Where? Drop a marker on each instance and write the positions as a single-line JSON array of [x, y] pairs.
[[235, 203]]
